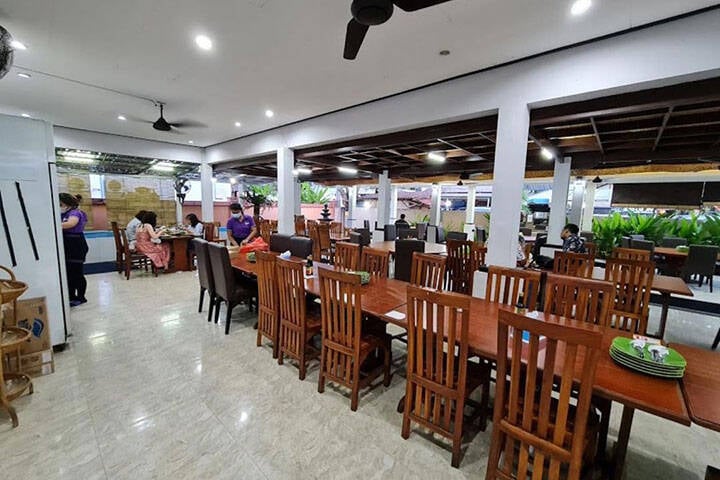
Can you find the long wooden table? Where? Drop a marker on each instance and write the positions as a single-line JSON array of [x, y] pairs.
[[179, 251], [389, 246], [701, 385]]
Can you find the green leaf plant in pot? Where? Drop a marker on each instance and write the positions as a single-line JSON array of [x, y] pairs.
[[259, 196]]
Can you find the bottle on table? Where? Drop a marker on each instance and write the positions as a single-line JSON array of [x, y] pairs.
[[309, 266], [520, 305]]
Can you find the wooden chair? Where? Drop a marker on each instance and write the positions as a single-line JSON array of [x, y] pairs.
[[119, 262], [701, 261], [479, 252], [439, 376], [205, 275], [265, 230], [268, 302], [130, 258], [428, 270], [300, 228], [460, 266], [227, 287], [633, 281], [336, 229], [631, 254], [574, 264], [297, 327], [344, 346], [211, 232], [374, 261], [581, 299], [404, 251], [591, 249], [324, 241], [347, 255], [504, 285], [315, 237], [538, 431]]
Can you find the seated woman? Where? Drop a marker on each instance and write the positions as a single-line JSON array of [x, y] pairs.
[[158, 253], [196, 227]]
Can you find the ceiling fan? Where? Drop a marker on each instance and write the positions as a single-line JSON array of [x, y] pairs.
[[366, 13], [6, 52], [164, 126]]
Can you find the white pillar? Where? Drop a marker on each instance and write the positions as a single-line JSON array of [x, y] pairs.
[[286, 190], [575, 215], [298, 204], [435, 204], [383, 205], [393, 204], [207, 191], [508, 183], [588, 207], [558, 205], [470, 212], [352, 206]]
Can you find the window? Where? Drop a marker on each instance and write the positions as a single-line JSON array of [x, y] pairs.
[[97, 186]]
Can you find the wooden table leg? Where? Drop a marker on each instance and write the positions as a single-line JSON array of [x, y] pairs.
[[622, 443], [665, 306]]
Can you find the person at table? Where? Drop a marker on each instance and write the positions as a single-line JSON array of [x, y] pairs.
[[132, 226], [240, 227], [401, 222], [572, 242], [76, 247], [196, 227], [147, 242]]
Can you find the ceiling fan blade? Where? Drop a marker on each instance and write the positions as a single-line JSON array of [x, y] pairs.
[[138, 119], [354, 38], [412, 5], [188, 124]]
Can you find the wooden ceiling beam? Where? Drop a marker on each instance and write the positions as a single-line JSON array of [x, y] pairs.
[[666, 117], [597, 135]]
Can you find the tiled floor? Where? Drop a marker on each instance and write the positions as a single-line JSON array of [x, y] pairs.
[[149, 389]]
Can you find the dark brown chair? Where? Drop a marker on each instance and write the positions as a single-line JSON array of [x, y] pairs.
[[344, 346], [297, 327], [131, 259], [374, 261], [701, 261], [301, 247], [205, 276], [672, 242], [525, 231], [119, 261], [227, 288], [347, 255], [268, 302], [538, 430], [581, 299], [460, 266], [404, 250], [457, 236], [504, 285], [439, 376], [633, 280], [631, 254], [279, 243], [428, 271], [479, 252], [574, 264]]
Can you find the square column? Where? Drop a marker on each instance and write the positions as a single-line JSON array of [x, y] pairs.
[[435, 204], [470, 212], [383, 205], [298, 192], [207, 192], [393, 204], [508, 183], [575, 215], [352, 206], [558, 204], [588, 206], [287, 197]]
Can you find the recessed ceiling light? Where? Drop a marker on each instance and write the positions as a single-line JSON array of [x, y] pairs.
[[203, 42], [302, 171], [349, 170], [163, 168], [190, 142], [238, 124], [17, 45], [269, 113], [580, 6], [24, 75], [436, 157], [444, 53], [122, 117], [25, 115], [546, 154]]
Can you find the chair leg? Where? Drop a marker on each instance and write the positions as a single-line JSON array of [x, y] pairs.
[[321, 379], [456, 446], [710, 279], [202, 297], [218, 301], [605, 407], [388, 360], [717, 340], [228, 315], [355, 387]]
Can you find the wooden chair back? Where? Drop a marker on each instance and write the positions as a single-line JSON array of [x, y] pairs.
[[582, 299], [591, 249], [374, 261], [427, 270], [479, 251], [211, 231], [504, 285], [292, 306], [265, 230], [574, 264], [300, 228], [437, 326], [533, 430], [460, 266], [336, 228], [118, 247], [347, 255], [631, 254], [205, 275], [324, 236], [268, 301], [315, 237], [633, 281]]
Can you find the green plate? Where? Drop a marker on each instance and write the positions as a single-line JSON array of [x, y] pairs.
[[640, 365], [644, 362], [673, 359], [646, 370]]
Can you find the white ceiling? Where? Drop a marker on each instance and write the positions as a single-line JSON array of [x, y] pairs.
[[280, 54]]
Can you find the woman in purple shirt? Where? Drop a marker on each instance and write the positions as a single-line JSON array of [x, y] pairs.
[[76, 248], [240, 227]]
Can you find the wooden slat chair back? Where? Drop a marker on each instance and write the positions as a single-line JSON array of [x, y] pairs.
[[300, 228], [268, 300], [460, 266], [479, 251], [211, 232], [633, 281], [374, 261], [315, 237], [631, 254], [591, 249], [344, 347], [336, 228], [579, 298], [119, 253], [324, 234], [295, 329], [347, 255], [504, 285], [427, 270], [265, 230], [437, 364], [540, 432], [574, 264], [130, 258]]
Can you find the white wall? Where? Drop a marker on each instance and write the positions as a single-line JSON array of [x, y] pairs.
[[104, 142], [664, 54]]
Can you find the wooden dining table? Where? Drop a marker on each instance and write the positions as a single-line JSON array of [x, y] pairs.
[[179, 251], [701, 385], [389, 246]]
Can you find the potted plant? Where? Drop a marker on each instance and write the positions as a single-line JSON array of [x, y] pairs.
[[259, 196]]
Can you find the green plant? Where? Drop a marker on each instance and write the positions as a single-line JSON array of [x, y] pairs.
[[259, 196], [314, 194], [687, 228], [607, 232], [420, 219], [710, 230], [651, 227]]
